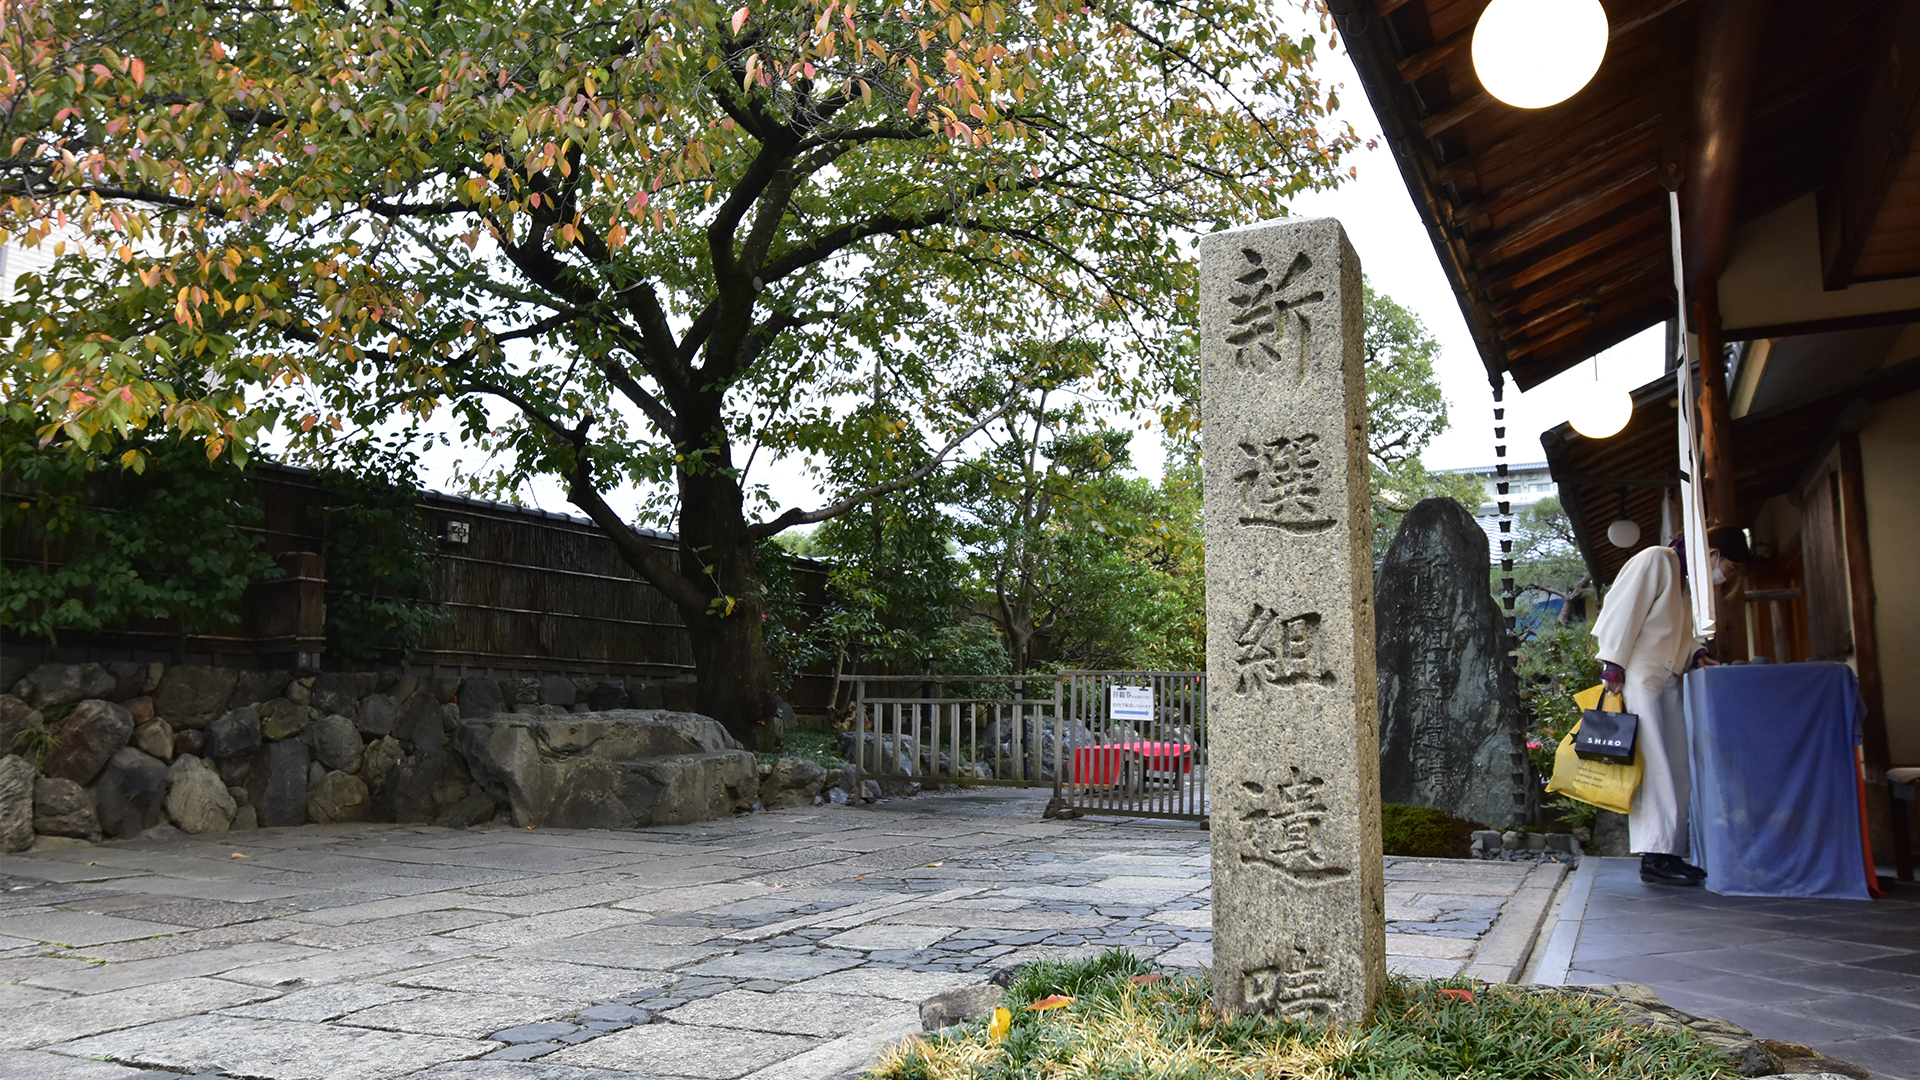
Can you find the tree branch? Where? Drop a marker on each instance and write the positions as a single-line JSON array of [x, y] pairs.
[[639, 552], [762, 530]]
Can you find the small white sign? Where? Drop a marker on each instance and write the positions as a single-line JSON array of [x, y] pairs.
[[1132, 703]]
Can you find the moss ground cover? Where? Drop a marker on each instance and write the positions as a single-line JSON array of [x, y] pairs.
[[1126, 1023], [1425, 832]]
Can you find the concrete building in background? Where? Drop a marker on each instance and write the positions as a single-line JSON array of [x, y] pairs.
[[1527, 483]]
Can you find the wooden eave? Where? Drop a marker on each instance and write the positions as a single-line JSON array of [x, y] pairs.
[[1777, 447], [1552, 225]]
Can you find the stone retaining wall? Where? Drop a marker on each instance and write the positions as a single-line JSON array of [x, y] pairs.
[[116, 750]]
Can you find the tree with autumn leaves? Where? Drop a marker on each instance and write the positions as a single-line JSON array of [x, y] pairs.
[[630, 245]]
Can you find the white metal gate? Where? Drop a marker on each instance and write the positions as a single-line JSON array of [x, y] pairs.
[[1128, 743]]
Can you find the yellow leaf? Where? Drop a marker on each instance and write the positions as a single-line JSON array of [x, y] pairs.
[[1050, 1002], [997, 1028]]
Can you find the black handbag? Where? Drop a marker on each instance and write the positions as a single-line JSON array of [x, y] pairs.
[[1607, 736]]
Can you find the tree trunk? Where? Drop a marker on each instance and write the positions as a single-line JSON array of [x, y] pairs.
[[729, 652]]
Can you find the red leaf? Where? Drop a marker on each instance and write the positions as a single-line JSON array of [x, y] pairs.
[[1457, 995], [1147, 979], [1051, 1001]]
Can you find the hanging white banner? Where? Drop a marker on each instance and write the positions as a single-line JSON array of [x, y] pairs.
[[1693, 518]]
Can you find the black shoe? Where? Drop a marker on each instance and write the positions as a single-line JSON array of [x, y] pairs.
[[1669, 870]]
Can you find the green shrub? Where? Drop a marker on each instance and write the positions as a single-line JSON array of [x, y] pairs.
[[820, 747], [1424, 832]]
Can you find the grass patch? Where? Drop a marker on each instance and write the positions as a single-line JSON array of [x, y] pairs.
[[1425, 832], [818, 745], [1118, 1029]]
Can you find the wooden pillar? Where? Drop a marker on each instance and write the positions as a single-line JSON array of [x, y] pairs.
[[1866, 647], [1710, 194]]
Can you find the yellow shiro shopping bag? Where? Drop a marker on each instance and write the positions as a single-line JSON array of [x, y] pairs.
[[1605, 785]]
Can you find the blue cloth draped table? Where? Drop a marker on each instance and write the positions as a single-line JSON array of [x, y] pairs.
[[1775, 808]]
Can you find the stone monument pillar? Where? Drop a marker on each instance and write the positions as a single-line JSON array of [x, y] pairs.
[[1450, 730], [1294, 747]]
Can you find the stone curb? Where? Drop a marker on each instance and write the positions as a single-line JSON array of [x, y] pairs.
[[1557, 956], [1503, 953]]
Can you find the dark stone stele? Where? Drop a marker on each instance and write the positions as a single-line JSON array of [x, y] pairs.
[[1451, 733]]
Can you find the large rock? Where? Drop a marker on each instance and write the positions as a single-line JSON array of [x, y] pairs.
[[283, 718], [197, 800], [154, 736], [189, 741], [606, 696], [959, 1006], [377, 714], [62, 684], [16, 716], [1451, 733], [420, 787], [480, 696], [130, 680], [336, 692], [236, 733], [253, 687], [64, 808], [420, 723], [17, 775], [378, 760], [277, 782], [86, 739], [338, 796], [558, 690], [131, 793], [793, 782], [615, 770], [335, 742], [191, 696], [886, 757], [141, 709]]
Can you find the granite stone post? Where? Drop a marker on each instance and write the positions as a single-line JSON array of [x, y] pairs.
[[1294, 776]]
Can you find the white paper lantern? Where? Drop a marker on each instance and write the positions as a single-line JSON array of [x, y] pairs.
[[1604, 409], [1624, 533], [1536, 53]]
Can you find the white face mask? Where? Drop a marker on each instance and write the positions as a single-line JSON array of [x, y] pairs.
[[1719, 568]]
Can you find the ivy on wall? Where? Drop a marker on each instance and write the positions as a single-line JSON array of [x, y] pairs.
[[380, 557], [90, 546]]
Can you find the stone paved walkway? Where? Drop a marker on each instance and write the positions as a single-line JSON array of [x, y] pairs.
[[782, 946], [1840, 976]]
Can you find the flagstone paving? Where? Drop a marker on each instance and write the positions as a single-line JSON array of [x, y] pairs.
[[779, 946]]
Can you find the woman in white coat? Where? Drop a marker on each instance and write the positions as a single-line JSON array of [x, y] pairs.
[[1646, 641]]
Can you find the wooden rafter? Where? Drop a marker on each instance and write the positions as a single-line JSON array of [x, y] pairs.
[[1541, 266], [1880, 143], [1569, 169], [1634, 180], [1572, 280]]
